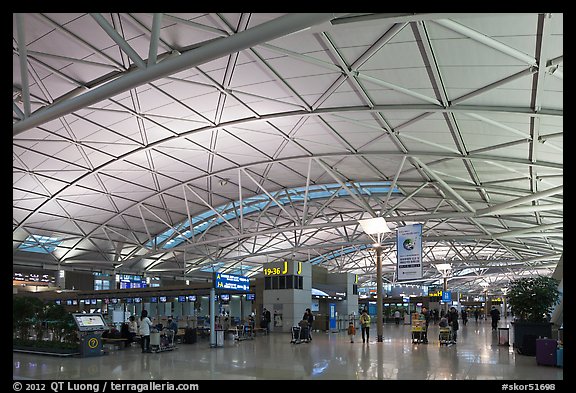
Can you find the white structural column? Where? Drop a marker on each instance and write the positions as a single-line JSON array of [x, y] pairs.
[[212, 317], [379, 310]]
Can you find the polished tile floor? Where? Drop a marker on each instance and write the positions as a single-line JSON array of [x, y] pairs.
[[330, 356]]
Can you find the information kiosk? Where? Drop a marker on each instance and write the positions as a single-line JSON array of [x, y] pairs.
[[91, 327]]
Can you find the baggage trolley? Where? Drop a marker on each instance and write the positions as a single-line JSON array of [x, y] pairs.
[[299, 335], [419, 334], [162, 341], [445, 336], [244, 332]]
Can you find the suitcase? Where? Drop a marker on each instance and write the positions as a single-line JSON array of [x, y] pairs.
[[560, 357], [546, 351], [190, 336]]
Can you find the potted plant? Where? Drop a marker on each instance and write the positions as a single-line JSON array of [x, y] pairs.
[[32, 323], [532, 300]]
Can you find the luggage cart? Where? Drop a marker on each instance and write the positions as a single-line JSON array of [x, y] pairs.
[[244, 332], [445, 336], [299, 335], [161, 341], [419, 334]]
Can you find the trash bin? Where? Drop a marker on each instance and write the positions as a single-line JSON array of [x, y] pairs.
[[504, 336], [219, 338]]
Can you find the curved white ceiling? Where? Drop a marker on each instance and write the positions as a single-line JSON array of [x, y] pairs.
[[127, 127]]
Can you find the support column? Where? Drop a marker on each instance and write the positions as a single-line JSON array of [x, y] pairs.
[[212, 317], [379, 306]]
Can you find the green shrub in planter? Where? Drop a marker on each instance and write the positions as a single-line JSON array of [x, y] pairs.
[[532, 298]]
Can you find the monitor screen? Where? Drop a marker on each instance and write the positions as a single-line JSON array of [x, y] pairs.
[[129, 300], [181, 298], [74, 302], [89, 322], [250, 296], [114, 300], [162, 299], [92, 301], [154, 299], [137, 300], [191, 298], [58, 301], [225, 297]]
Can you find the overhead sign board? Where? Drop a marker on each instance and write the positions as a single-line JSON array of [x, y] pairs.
[[409, 252], [282, 268], [231, 282]]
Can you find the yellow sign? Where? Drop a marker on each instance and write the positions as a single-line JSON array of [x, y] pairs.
[[280, 271], [283, 268], [92, 343]]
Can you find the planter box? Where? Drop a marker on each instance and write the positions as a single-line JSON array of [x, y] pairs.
[[532, 330], [46, 351]]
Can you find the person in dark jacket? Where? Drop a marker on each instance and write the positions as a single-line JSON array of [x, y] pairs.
[[426, 316], [495, 314], [453, 321], [267, 318], [310, 319], [464, 315]]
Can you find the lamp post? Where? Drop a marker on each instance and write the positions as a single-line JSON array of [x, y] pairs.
[[444, 269], [377, 226], [485, 285], [505, 301]]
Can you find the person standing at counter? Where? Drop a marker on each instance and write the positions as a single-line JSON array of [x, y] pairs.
[[145, 324]]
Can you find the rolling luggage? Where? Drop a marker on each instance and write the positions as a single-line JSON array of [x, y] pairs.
[[560, 357], [546, 351], [296, 332], [190, 336]]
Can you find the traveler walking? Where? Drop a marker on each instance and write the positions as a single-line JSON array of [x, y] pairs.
[[495, 314], [365, 326], [453, 321], [464, 315], [351, 331], [308, 317], [266, 317]]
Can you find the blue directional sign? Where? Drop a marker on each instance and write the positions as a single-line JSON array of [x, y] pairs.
[[446, 296], [231, 281]]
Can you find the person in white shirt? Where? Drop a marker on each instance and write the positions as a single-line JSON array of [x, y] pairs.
[[132, 329], [145, 324]]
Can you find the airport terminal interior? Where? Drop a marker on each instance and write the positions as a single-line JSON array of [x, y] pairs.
[[232, 174], [329, 356]]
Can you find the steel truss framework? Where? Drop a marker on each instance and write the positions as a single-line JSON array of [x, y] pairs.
[[129, 127]]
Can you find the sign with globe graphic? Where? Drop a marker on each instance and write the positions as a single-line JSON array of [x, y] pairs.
[[409, 252], [408, 244]]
